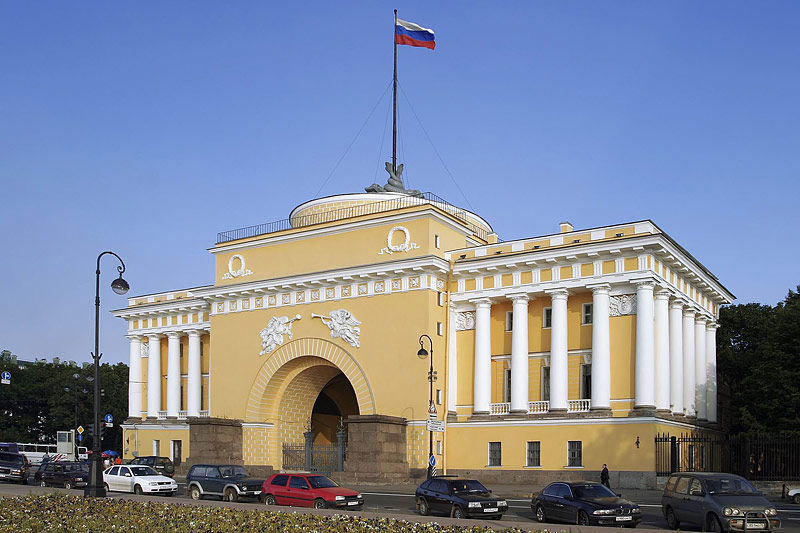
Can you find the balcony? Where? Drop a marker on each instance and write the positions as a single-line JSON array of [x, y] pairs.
[[162, 415], [204, 414], [574, 406], [182, 415]]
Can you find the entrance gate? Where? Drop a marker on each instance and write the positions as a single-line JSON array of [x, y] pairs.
[[324, 459]]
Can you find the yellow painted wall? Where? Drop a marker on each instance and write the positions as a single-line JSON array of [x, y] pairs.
[[623, 344], [141, 441]]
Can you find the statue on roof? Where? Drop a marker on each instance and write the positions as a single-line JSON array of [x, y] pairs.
[[395, 183]]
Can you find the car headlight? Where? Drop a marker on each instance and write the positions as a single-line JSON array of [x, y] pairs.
[[636, 510], [359, 496], [78, 479], [153, 483], [16, 471], [474, 504], [731, 511], [603, 511], [339, 498], [502, 503], [771, 511]]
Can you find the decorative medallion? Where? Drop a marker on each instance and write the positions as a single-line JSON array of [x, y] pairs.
[[236, 273], [272, 335], [622, 305], [260, 302], [245, 304], [379, 286], [397, 284], [145, 349], [330, 292], [315, 294], [300, 297], [271, 300], [405, 246], [413, 282], [286, 298], [440, 284], [343, 325], [346, 290], [232, 306], [465, 320], [363, 288], [220, 307]]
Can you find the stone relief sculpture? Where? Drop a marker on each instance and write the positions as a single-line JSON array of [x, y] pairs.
[[343, 325], [395, 183], [145, 349], [624, 304], [465, 320], [405, 246], [272, 335]]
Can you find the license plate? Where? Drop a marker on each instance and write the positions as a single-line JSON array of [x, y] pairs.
[[352, 503], [490, 510], [624, 518], [755, 525]]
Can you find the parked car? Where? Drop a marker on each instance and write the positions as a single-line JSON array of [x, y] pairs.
[[309, 490], [584, 503], [793, 494], [63, 473], [230, 482], [138, 479], [162, 465], [458, 498], [14, 467], [716, 502]]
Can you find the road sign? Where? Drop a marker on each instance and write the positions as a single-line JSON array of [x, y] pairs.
[[432, 410], [80, 437], [109, 418], [80, 430], [435, 425], [5, 378], [109, 424]]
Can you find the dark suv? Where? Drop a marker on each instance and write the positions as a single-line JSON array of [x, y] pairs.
[[230, 482], [14, 467], [162, 465], [459, 498], [65, 474]]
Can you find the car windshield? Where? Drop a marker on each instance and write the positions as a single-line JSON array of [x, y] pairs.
[[143, 471], [321, 482], [469, 485], [78, 468], [729, 485], [592, 490], [233, 471], [11, 458]]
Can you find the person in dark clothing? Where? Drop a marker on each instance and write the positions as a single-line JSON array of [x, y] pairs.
[[604, 476]]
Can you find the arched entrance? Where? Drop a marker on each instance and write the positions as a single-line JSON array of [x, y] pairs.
[[336, 401]]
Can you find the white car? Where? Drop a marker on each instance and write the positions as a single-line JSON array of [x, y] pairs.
[[138, 479], [793, 494]]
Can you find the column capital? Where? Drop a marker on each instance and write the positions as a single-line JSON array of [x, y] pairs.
[[644, 283], [677, 302], [519, 297], [481, 302], [195, 332], [689, 312], [599, 288], [711, 325], [700, 320], [154, 336], [663, 294], [558, 294], [174, 334], [135, 337]]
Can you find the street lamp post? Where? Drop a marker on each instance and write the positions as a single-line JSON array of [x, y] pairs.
[[95, 488], [423, 353]]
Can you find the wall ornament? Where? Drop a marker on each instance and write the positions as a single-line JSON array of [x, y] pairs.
[[404, 247], [343, 325], [622, 305], [236, 273], [272, 335], [465, 320]]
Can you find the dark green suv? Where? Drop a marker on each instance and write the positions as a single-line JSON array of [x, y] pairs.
[[14, 467], [230, 482], [162, 465]]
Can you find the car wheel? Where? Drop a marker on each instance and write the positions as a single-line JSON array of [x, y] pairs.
[[270, 500], [25, 481], [194, 493], [712, 523], [457, 512], [583, 518], [319, 503], [137, 489], [231, 495], [42, 484], [105, 486], [540, 517], [672, 522], [422, 505], [796, 498], [67, 485]]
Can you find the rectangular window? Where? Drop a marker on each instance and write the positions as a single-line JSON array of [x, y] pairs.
[[495, 456], [507, 385], [437, 241], [438, 447], [180, 350], [547, 317], [587, 314], [201, 347], [586, 382], [441, 299], [574, 453], [156, 448], [439, 328], [439, 396], [509, 320], [534, 455], [545, 383]]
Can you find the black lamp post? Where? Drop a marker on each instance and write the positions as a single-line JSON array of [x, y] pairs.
[[423, 353], [96, 489]]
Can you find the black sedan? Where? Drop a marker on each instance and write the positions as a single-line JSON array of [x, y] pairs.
[[458, 498], [584, 503]]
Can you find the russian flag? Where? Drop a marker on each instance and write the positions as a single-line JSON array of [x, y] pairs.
[[413, 35]]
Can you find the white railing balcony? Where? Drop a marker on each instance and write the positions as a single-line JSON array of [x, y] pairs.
[[500, 408], [538, 407], [181, 415], [162, 415], [579, 406], [203, 414]]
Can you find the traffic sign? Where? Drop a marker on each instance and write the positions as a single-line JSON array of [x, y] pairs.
[[432, 410], [432, 461], [80, 437], [5, 378], [435, 425], [109, 418], [109, 424], [80, 430]]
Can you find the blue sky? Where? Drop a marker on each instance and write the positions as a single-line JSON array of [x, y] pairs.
[[148, 127]]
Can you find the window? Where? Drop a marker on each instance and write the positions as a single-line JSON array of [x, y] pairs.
[[180, 350], [545, 383], [509, 320], [574, 453], [547, 317], [439, 329], [495, 455], [586, 382], [298, 482], [683, 485], [695, 489], [114, 471], [534, 455], [437, 242], [438, 447], [438, 396], [441, 299], [280, 480], [588, 314], [156, 447], [507, 385]]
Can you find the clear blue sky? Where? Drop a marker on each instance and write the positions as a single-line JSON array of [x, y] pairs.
[[147, 127]]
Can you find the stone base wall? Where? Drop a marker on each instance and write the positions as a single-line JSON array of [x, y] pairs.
[[215, 440], [376, 450], [539, 479]]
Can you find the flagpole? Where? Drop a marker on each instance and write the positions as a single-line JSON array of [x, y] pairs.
[[394, 99]]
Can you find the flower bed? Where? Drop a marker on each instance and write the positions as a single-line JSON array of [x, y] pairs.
[[58, 512]]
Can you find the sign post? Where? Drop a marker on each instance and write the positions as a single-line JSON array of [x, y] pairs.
[[5, 378]]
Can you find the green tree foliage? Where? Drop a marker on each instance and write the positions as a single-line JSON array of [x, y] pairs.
[[36, 405], [758, 359]]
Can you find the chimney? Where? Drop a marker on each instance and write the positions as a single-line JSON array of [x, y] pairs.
[[566, 227]]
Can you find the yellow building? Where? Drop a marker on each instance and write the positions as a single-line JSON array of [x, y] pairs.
[[553, 354]]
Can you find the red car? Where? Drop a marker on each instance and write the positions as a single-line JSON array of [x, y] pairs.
[[309, 490]]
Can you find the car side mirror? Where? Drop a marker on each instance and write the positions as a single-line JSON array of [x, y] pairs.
[[619, 495]]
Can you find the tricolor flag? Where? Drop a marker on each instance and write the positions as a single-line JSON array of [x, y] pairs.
[[413, 35]]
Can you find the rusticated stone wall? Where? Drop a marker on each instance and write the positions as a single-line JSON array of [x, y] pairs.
[[215, 440], [376, 450]]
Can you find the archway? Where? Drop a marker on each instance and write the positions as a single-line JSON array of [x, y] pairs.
[[336, 401]]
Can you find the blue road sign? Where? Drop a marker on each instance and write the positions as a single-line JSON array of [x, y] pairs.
[[5, 375], [80, 437], [432, 461], [109, 418]]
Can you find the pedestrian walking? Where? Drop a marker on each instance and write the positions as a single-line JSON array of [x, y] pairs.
[[604, 476]]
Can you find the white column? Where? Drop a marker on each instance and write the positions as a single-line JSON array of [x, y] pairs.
[[645, 346], [601, 349], [519, 354], [173, 374], [483, 357], [711, 372], [193, 399], [154, 376], [662, 371], [135, 377], [676, 356], [559, 376], [452, 362], [700, 367], [688, 362]]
